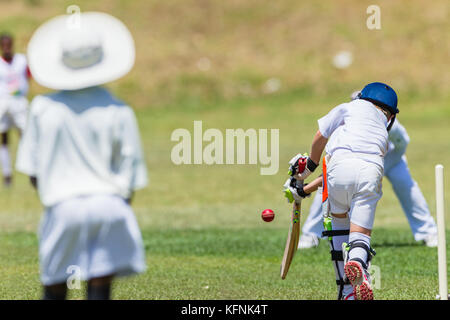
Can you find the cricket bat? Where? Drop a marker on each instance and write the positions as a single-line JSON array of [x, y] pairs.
[[294, 230]]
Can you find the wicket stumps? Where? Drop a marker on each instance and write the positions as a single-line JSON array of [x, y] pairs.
[[442, 256]]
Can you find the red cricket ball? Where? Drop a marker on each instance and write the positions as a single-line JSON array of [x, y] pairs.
[[267, 215]]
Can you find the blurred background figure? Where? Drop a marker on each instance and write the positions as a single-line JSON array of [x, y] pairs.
[[82, 150], [14, 77]]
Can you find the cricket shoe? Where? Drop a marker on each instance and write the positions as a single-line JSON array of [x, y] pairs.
[[360, 280], [308, 241], [431, 240]]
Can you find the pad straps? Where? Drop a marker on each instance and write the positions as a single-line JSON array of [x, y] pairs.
[[336, 255], [335, 233], [370, 252]]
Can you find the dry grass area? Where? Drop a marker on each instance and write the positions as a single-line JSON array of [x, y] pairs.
[[205, 50]]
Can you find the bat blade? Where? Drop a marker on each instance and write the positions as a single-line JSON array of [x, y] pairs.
[[292, 240]]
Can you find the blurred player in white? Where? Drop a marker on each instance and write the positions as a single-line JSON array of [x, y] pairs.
[[82, 150], [405, 187], [14, 77]]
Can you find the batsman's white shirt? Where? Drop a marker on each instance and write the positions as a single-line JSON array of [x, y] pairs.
[[356, 127], [358, 141], [79, 143]]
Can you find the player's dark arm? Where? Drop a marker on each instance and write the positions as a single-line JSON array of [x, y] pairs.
[[33, 181]]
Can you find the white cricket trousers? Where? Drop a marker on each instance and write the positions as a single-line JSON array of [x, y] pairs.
[[89, 237], [13, 113], [354, 186]]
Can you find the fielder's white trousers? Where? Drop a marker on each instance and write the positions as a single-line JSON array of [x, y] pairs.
[[89, 237]]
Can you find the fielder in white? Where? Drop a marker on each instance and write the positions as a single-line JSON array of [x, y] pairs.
[[405, 187], [82, 150], [355, 135], [14, 78]]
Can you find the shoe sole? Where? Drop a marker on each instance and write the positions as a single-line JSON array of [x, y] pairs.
[[361, 287]]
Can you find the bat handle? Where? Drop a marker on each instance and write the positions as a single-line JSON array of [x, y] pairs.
[[301, 168], [301, 165]]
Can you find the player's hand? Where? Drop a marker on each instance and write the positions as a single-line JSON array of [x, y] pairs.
[[295, 159], [294, 191], [305, 174], [310, 167], [294, 163]]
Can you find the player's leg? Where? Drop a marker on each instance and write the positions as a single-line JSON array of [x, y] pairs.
[[313, 227], [342, 177], [19, 114], [340, 227], [115, 245], [413, 203], [357, 256], [99, 288], [5, 159], [62, 243], [55, 292], [358, 252], [5, 125]]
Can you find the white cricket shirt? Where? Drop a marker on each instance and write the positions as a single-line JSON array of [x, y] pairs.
[[14, 76], [356, 127], [81, 142]]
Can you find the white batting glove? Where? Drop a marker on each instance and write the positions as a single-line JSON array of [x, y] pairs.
[[293, 163], [310, 167], [295, 159], [293, 191], [293, 166]]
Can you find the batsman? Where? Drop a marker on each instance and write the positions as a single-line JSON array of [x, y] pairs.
[[354, 136]]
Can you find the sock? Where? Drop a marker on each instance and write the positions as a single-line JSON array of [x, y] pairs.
[[5, 161], [359, 253], [101, 292], [341, 224]]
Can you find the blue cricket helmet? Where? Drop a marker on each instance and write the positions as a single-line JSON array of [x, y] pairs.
[[382, 95]]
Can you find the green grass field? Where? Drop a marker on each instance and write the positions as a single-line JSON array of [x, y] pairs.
[[201, 224]]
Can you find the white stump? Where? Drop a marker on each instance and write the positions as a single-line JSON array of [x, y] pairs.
[[442, 254]]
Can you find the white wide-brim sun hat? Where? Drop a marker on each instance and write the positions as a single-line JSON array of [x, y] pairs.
[[74, 52]]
